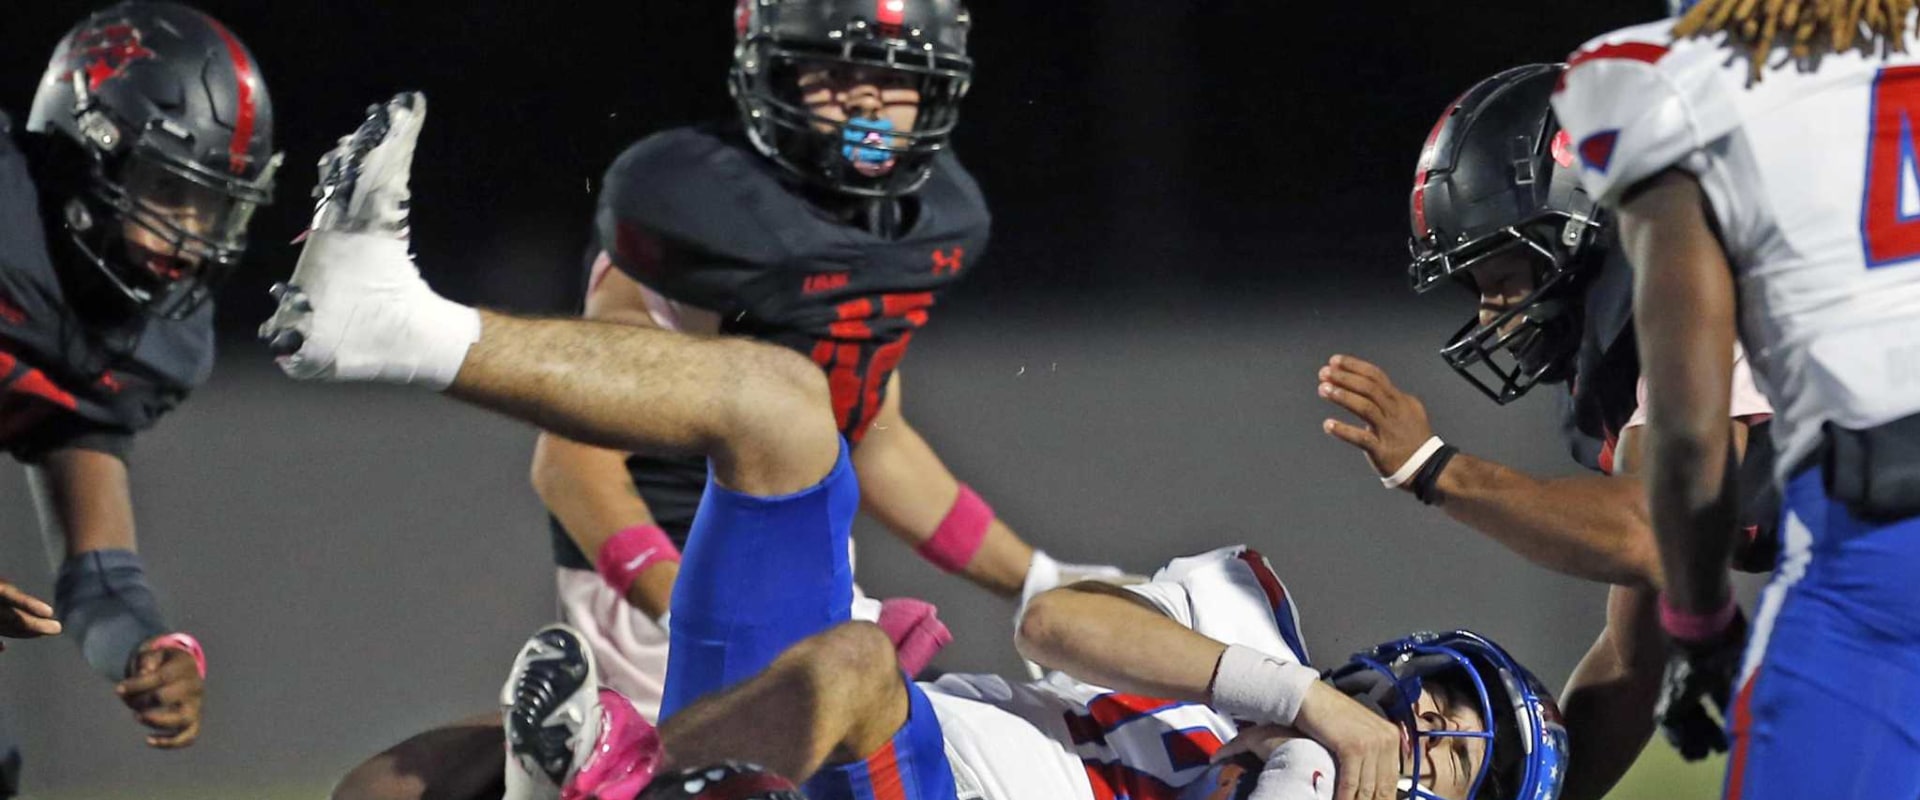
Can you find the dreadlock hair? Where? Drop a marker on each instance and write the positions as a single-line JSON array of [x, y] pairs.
[[1807, 27]]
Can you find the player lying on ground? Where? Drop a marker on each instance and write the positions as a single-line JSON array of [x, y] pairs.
[[834, 710], [766, 574], [1553, 287]]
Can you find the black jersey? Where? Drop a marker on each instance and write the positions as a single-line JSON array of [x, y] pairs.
[[1604, 395], [1606, 368], [72, 374], [697, 215]]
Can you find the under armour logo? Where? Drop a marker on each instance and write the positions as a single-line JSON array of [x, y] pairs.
[[948, 263]]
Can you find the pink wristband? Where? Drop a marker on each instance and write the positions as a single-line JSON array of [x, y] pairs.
[[630, 551], [960, 533], [186, 643], [1695, 627]]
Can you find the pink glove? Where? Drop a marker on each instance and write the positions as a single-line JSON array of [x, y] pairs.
[[916, 630]]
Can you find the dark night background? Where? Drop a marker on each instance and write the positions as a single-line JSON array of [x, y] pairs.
[[1195, 203]]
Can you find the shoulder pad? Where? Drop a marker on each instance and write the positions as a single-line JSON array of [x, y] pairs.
[[652, 182], [1636, 103]]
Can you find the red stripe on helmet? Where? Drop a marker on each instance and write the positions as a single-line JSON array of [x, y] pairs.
[[1420, 228], [243, 78], [891, 12]]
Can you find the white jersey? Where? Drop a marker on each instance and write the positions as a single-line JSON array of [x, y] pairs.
[[1815, 187], [1061, 739]]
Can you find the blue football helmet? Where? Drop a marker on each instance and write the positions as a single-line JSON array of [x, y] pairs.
[[1526, 741]]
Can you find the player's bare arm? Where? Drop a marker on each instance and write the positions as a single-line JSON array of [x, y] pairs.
[[1588, 527], [86, 506], [905, 486], [1104, 635], [1684, 299], [588, 488], [84, 501]]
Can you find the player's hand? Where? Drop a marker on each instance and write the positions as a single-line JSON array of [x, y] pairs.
[[23, 616], [1698, 673], [1394, 423], [1367, 749], [164, 689]]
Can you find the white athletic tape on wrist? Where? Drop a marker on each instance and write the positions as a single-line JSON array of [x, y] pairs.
[[1414, 463], [1253, 686]]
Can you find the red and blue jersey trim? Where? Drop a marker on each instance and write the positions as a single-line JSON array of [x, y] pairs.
[[1643, 52], [1284, 615]]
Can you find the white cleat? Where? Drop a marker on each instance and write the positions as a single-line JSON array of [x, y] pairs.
[[550, 707], [356, 307]]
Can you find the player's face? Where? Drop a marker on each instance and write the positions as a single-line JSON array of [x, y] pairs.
[[840, 93], [168, 206], [1503, 280], [1449, 763]]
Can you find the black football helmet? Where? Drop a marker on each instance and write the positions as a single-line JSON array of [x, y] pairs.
[[925, 39], [173, 128], [1498, 174]]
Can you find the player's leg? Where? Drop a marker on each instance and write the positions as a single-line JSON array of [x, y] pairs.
[[760, 413], [357, 309], [759, 574], [835, 696], [834, 706], [1830, 695], [460, 761]]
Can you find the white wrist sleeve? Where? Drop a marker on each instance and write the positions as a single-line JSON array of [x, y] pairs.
[[1253, 686]]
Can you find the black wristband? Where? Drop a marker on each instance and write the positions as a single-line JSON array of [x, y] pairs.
[[1429, 474]]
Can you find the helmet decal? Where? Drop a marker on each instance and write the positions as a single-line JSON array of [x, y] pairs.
[[104, 53]]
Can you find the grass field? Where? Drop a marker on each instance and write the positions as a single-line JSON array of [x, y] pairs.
[[1660, 775]]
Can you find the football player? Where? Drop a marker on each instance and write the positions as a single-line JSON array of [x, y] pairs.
[[1497, 206], [124, 203], [1427, 716], [1776, 182], [762, 603], [829, 218]]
